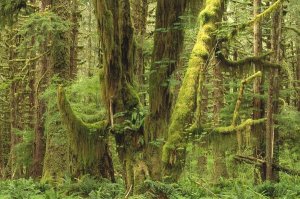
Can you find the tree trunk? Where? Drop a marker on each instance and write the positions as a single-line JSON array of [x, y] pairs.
[[116, 34], [168, 42], [272, 133], [258, 104], [74, 38], [56, 160], [190, 96]]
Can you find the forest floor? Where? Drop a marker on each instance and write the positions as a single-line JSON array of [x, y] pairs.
[[87, 187]]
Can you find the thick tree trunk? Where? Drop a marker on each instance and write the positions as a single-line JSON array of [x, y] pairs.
[[139, 16], [56, 161], [219, 150], [168, 42], [116, 34], [74, 38]]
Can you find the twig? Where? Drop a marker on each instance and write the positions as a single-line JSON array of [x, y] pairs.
[[127, 194]]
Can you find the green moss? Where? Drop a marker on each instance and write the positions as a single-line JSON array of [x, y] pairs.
[[240, 127], [249, 122], [56, 160], [87, 141], [186, 104], [267, 12]]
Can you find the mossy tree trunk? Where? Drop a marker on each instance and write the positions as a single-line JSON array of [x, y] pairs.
[[75, 14], [220, 143], [41, 80], [56, 160], [116, 34], [168, 44], [190, 96]]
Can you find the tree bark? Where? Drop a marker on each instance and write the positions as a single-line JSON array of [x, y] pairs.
[[168, 42], [272, 133], [258, 103]]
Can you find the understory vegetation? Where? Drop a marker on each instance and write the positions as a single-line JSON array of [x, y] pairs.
[[189, 188]]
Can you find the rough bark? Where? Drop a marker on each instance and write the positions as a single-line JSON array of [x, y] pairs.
[[75, 13], [272, 133], [139, 18], [56, 160], [168, 42], [116, 34]]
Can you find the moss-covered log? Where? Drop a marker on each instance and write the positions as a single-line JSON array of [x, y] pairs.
[[88, 142], [188, 99]]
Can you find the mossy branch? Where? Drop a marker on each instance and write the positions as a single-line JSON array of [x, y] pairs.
[[249, 122], [72, 121], [246, 61], [258, 18], [267, 12], [242, 126], [86, 140]]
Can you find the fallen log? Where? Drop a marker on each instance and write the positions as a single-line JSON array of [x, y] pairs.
[[260, 162]]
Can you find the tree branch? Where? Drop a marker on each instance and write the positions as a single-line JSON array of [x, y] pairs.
[[246, 61]]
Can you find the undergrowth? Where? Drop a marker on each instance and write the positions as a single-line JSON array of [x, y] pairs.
[[89, 187]]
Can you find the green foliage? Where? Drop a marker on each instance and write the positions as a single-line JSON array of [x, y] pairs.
[[135, 123], [20, 189], [85, 98], [42, 26], [9, 10], [289, 119], [23, 150], [108, 190]]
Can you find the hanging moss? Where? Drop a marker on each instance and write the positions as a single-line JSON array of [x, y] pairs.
[[88, 142], [56, 160], [174, 149]]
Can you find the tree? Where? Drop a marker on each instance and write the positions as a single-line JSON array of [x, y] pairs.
[[190, 94], [168, 42]]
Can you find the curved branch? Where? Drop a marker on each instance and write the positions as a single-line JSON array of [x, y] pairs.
[[87, 140], [242, 126], [249, 122], [248, 60]]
